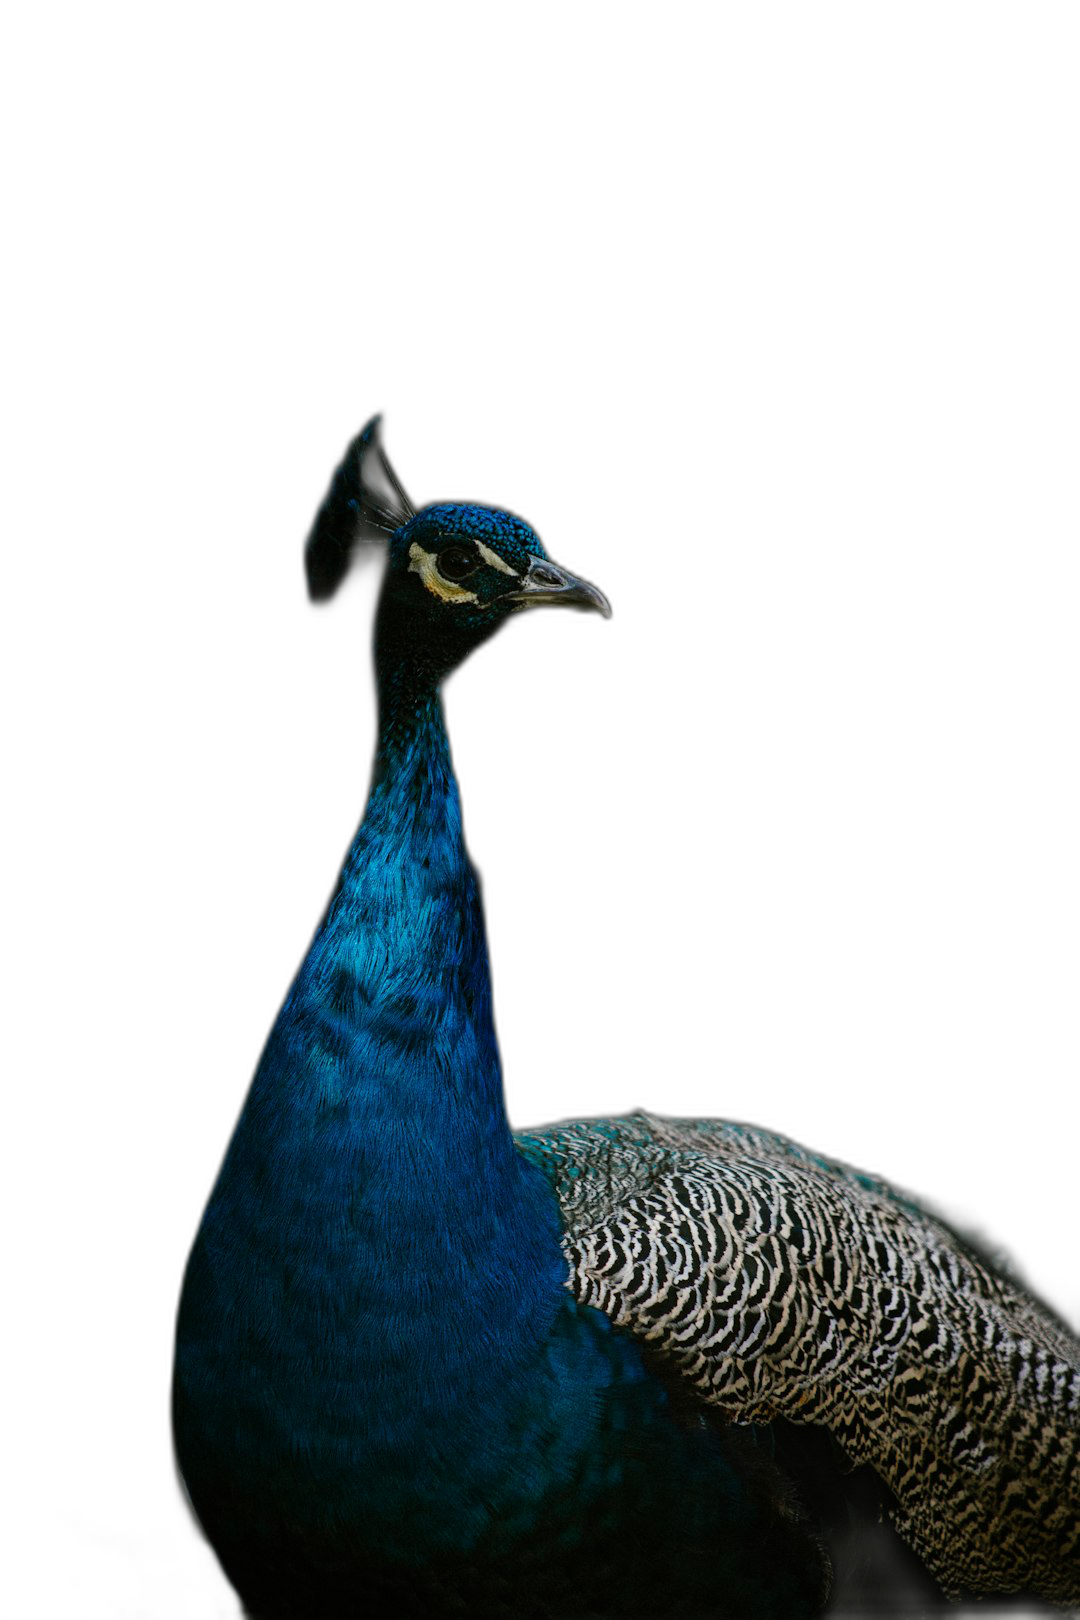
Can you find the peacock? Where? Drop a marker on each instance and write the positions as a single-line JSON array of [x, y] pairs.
[[634, 1367]]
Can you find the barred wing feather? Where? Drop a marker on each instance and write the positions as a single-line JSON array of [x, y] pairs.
[[781, 1284]]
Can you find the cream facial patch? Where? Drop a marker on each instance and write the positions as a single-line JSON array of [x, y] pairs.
[[423, 563]]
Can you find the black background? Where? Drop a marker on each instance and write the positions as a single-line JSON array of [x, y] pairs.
[[781, 843]]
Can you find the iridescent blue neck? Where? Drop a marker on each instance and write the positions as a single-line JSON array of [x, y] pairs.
[[380, 1091], [373, 1206], [398, 972]]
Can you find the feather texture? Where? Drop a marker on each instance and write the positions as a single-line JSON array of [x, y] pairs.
[[626, 1368], [783, 1285]]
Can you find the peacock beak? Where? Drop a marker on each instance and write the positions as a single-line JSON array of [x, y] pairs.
[[546, 582]]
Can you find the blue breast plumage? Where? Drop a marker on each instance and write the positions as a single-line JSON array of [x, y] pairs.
[[621, 1368]]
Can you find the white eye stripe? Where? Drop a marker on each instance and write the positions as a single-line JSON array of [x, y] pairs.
[[424, 563], [493, 560]]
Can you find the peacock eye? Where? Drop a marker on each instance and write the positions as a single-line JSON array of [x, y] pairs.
[[457, 563]]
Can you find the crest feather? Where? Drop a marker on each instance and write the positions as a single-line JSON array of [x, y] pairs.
[[363, 506]]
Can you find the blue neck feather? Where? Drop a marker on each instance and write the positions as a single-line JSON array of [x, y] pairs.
[[373, 1172]]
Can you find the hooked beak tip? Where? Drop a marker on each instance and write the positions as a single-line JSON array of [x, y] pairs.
[[546, 582]]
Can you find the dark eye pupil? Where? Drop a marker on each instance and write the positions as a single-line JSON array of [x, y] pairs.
[[455, 562]]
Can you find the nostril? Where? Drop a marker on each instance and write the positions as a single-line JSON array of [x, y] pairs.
[[547, 576]]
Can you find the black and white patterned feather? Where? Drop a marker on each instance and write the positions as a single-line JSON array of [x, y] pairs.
[[779, 1284]]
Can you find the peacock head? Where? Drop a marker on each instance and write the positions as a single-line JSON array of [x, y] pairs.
[[455, 572]]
